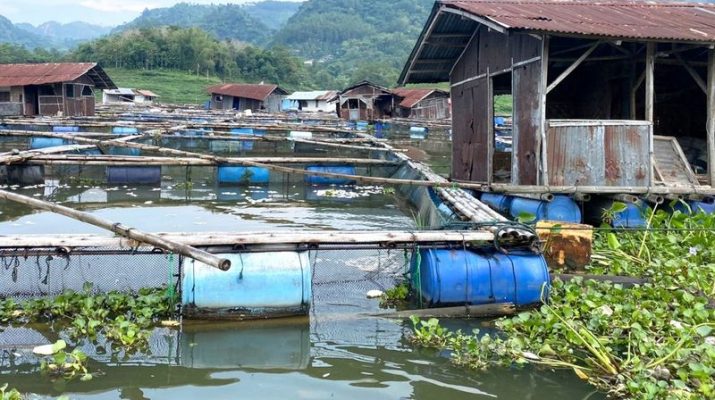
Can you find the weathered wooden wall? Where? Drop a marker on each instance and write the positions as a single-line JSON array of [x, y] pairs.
[[490, 54]]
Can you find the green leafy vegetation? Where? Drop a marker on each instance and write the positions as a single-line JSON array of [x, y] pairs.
[[395, 296], [65, 365], [9, 394], [123, 318], [652, 341]]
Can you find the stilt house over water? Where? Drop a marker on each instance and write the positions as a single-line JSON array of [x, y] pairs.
[[51, 89], [246, 96], [614, 96]]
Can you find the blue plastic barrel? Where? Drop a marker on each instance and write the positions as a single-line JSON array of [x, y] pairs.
[[262, 284], [452, 277], [561, 208], [497, 201], [707, 207], [125, 130], [242, 175], [246, 145], [138, 175], [325, 180], [418, 133], [43, 142], [65, 129], [632, 217]]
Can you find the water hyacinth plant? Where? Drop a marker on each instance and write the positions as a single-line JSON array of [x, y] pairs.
[[654, 340]]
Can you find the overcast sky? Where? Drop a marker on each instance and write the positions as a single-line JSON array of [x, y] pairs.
[[100, 12]]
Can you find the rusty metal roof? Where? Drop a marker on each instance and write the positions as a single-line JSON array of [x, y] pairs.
[[147, 93], [652, 20], [258, 92], [40, 74], [410, 97], [452, 22]]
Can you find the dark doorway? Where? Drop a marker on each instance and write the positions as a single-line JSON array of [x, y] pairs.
[[31, 100]]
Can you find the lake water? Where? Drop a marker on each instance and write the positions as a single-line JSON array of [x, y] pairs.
[[339, 351]]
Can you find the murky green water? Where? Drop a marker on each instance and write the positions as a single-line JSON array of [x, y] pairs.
[[339, 351]]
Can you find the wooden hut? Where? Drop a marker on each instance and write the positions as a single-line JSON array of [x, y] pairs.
[[50, 89], [365, 101], [605, 94], [422, 103], [243, 96]]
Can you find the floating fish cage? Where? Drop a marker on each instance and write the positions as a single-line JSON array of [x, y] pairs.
[[231, 169]]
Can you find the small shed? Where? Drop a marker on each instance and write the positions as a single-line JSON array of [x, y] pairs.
[[365, 101], [422, 103], [604, 93], [312, 101], [51, 89], [244, 96], [128, 96]]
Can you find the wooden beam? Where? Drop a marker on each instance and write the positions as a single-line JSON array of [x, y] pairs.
[[430, 28], [711, 116], [480, 20], [572, 67], [254, 238], [693, 73], [634, 90]]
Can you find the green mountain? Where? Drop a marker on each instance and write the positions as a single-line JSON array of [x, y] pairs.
[[11, 34], [356, 39], [274, 14], [65, 35], [225, 21]]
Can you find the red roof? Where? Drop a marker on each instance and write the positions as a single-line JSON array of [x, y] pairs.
[[247, 91], [410, 97], [40, 74], [624, 19]]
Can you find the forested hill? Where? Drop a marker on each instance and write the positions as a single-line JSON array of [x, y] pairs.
[[253, 23], [356, 37], [10, 33]]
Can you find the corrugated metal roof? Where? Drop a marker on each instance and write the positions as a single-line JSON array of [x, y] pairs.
[[147, 93], [650, 20], [432, 59], [248, 91], [312, 95], [410, 97], [120, 92], [40, 74]]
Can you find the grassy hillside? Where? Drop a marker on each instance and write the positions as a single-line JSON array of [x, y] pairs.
[[173, 87]]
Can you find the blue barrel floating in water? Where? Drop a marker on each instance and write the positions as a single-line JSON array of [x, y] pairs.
[[326, 180], [632, 217], [125, 130], [361, 125], [139, 175], [707, 206], [44, 142], [561, 208], [242, 175], [418, 132], [258, 284], [247, 145], [65, 129], [497, 201], [453, 277]]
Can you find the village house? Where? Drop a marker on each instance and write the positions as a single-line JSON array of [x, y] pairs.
[[422, 103], [50, 89], [311, 101], [244, 96], [365, 101], [128, 96], [614, 97]]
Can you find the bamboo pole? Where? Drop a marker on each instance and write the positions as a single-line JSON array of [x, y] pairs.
[[382, 238], [131, 233], [465, 311], [168, 161]]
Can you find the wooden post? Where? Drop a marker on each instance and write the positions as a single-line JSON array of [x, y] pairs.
[[131, 233], [542, 107], [711, 116], [490, 129]]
